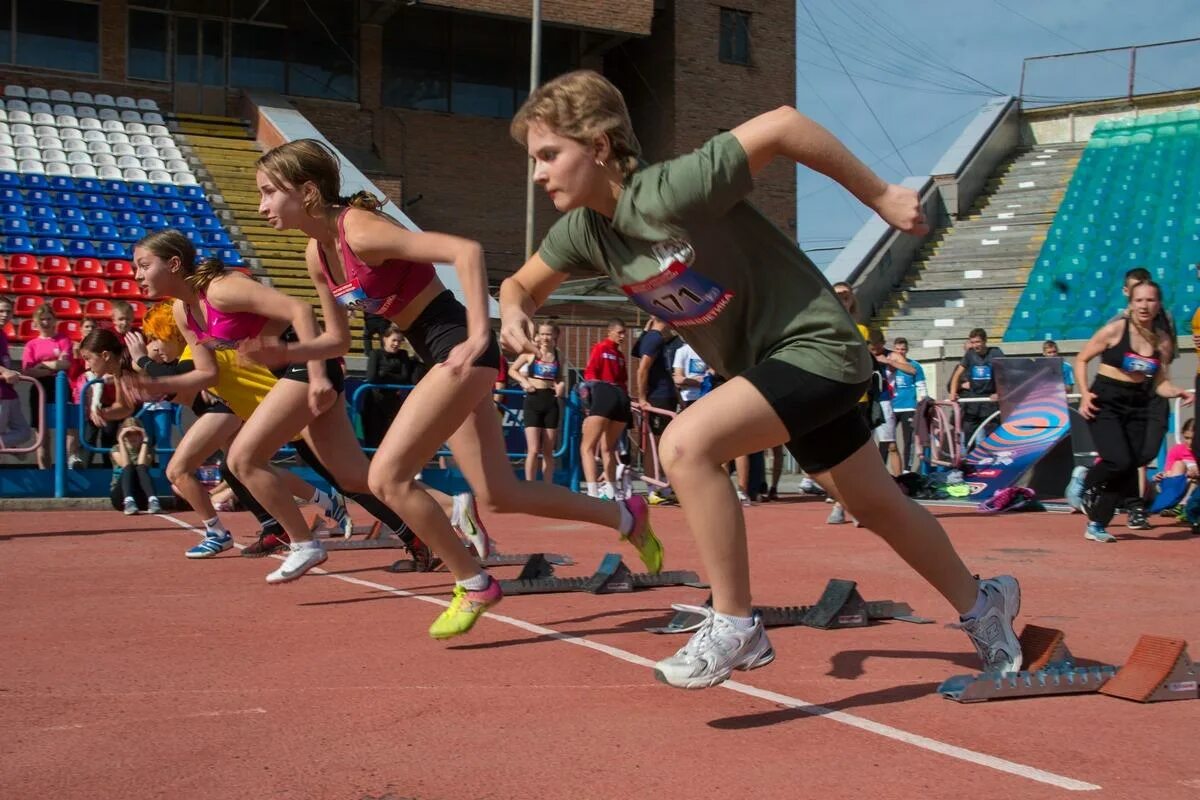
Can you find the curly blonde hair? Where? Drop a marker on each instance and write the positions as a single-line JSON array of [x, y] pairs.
[[582, 105], [159, 324]]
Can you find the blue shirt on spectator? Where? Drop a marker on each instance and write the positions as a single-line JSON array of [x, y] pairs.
[[906, 387]]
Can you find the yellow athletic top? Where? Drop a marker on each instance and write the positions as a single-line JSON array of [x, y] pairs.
[[240, 384]]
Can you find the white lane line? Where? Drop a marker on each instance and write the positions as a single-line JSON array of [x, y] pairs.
[[877, 728]]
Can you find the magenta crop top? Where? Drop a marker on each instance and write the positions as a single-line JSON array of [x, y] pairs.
[[225, 329], [382, 290]]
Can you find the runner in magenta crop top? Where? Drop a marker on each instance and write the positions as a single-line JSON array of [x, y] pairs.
[[225, 330], [384, 290]]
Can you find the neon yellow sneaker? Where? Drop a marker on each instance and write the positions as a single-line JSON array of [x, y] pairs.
[[642, 536], [465, 609]]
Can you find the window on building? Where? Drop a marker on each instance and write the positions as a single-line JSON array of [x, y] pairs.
[[149, 45], [735, 37], [322, 39], [6, 15], [256, 59], [466, 64], [58, 34]]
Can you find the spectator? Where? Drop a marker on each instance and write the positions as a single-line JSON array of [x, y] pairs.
[[975, 377], [122, 318], [689, 370], [607, 405], [1050, 350], [106, 358], [14, 429], [845, 294], [543, 376], [909, 389], [389, 364], [43, 358], [653, 384], [132, 456], [887, 366]]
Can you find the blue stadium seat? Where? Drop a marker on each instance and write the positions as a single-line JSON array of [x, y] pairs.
[[207, 223], [167, 190], [92, 200], [10, 180], [77, 230], [127, 218], [35, 181], [47, 227], [70, 214], [62, 199], [62, 183], [87, 185], [131, 233], [120, 202], [17, 244], [146, 204], [154, 221], [17, 226], [194, 236], [81, 248], [106, 232], [9, 194], [182, 222], [198, 208], [12, 211], [99, 216], [231, 257], [107, 251], [41, 212], [194, 192], [142, 189], [49, 247], [217, 239], [41, 197], [114, 187], [173, 206]]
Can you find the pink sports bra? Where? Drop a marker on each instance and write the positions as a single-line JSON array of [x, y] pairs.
[[225, 329], [382, 290]]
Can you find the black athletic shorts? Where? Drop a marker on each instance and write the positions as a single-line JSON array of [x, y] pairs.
[[603, 399], [440, 328], [822, 416], [299, 372], [541, 409]]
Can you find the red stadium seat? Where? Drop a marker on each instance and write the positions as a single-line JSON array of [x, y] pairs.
[[22, 262], [56, 265], [139, 310], [10, 330], [93, 287], [25, 331], [60, 286], [3, 282], [89, 267], [66, 308], [25, 283], [119, 269], [71, 328], [25, 304], [97, 309], [124, 287]]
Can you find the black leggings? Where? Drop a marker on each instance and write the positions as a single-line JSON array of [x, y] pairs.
[[134, 477], [1119, 431], [374, 506]]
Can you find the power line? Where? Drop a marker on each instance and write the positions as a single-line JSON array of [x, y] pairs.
[[853, 83]]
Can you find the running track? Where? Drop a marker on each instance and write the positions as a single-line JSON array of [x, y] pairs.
[[131, 672]]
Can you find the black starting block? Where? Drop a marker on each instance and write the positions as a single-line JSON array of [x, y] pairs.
[[610, 577], [1158, 669], [496, 560], [840, 606]]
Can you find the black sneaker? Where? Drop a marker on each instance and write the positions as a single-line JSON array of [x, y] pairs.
[[267, 544], [423, 558], [772, 494], [1137, 521]]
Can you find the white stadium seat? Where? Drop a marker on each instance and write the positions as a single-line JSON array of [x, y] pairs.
[[104, 160], [16, 104], [39, 107], [29, 154], [109, 172], [75, 144], [82, 97], [13, 90], [150, 164], [159, 176], [84, 171], [126, 102], [184, 179], [37, 93], [104, 100], [30, 167], [152, 117], [117, 137], [8, 165], [146, 104], [55, 168], [134, 174], [76, 157], [108, 113], [158, 130], [54, 155], [59, 96]]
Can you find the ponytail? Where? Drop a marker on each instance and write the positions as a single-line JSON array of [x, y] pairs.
[[364, 200], [205, 272]]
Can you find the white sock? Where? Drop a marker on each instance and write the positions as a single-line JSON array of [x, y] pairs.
[[320, 498], [741, 623], [476, 584], [626, 525], [593, 489], [214, 525], [128, 498], [312, 544]]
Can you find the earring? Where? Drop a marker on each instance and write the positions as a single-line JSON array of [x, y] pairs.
[[600, 163]]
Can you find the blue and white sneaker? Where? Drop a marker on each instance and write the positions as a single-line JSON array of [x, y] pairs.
[[1074, 492], [1096, 533], [337, 513], [991, 630], [212, 544]]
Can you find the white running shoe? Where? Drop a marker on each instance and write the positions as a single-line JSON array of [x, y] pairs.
[[1074, 491], [743, 499], [466, 512], [991, 631], [153, 506], [606, 491], [130, 507], [837, 515], [301, 557], [715, 650]]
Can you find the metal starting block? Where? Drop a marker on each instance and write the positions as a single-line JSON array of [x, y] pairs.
[[373, 537], [1158, 669], [610, 577], [840, 606], [523, 560]]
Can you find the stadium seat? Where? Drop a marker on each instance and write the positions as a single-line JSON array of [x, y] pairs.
[[25, 304], [23, 262], [46, 227], [59, 286], [126, 288], [67, 308], [17, 244], [77, 230], [26, 283], [97, 308], [81, 248], [88, 267], [3, 283], [10, 210], [15, 226], [25, 331], [93, 287], [139, 310], [71, 328], [56, 265], [107, 251], [119, 268], [48, 246]]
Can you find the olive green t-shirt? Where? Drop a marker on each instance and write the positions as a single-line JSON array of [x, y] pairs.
[[685, 246]]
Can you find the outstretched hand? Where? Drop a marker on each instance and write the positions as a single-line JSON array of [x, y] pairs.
[[900, 207], [516, 334]]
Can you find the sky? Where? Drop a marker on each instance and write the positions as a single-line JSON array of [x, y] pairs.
[[922, 68]]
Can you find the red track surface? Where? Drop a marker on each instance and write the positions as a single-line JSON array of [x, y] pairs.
[[130, 672]]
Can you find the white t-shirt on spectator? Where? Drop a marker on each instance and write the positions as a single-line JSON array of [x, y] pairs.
[[693, 367]]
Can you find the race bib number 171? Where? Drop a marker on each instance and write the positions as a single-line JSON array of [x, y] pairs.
[[677, 294]]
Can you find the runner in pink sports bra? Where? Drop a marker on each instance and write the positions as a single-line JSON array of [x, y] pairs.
[[384, 290], [225, 330]]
